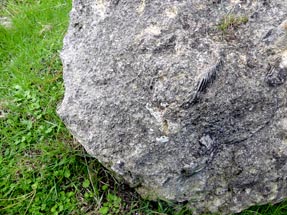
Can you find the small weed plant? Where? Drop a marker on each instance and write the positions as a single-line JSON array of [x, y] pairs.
[[231, 21]]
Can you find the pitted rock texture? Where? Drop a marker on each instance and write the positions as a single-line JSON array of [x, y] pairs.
[[183, 99]]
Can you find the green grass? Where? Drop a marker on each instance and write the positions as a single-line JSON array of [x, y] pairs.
[[43, 169], [231, 21]]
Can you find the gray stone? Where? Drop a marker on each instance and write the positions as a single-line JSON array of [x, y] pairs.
[[183, 99]]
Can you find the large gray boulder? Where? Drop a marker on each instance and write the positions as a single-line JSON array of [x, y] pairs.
[[186, 100]]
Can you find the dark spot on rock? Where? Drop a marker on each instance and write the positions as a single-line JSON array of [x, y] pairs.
[[250, 63], [167, 45], [121, 164], [254, 15], [184, 171], [115, 2], [216, 1], [268, 34], [78, 26], [184, 22], [280, 161], [276, 76], [266, 2], [237, 113], [270, 52]]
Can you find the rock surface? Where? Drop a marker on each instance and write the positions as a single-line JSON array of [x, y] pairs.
[[184, 99]]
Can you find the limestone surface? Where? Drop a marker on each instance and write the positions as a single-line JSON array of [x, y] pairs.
[[186, 100]]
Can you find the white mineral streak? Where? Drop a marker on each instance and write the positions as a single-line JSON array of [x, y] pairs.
[[162, 139], [142, 6], [284, 60], [100, 7], [153, 30], [171, 12], [283, 124], [157, 114], [150, 31]]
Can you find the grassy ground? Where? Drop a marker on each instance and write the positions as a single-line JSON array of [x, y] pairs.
[[43, 169]]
